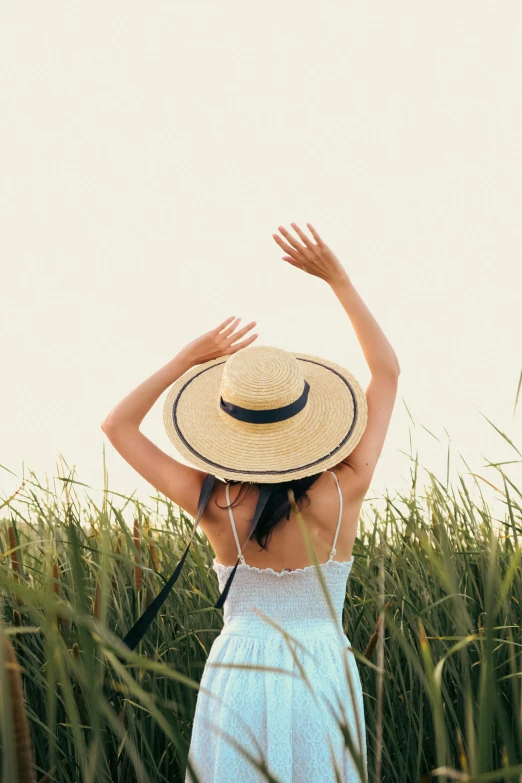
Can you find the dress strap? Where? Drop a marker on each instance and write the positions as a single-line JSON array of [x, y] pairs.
[[332, 553], [231, 515]]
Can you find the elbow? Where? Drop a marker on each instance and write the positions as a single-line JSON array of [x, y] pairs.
[[396, 370], [106, 426], [111, 425], [389, 373]]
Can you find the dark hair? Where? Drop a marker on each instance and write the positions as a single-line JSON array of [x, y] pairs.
[[277, 506]]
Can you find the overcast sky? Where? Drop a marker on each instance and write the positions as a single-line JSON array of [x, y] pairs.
[[149, 152]]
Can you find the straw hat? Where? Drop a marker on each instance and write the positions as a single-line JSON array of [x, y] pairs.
[[265, 415]]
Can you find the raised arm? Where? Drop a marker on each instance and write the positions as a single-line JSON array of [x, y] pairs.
[[381, 391], [379, 354], [318, 259]]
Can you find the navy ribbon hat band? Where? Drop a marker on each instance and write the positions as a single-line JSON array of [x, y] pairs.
[[266, 416]]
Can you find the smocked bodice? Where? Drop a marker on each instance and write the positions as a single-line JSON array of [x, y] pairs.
[[294, 599]]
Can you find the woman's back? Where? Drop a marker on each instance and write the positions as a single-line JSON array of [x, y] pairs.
[[286, 547]]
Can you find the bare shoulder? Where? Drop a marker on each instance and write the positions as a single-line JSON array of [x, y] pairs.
[[355, 472]]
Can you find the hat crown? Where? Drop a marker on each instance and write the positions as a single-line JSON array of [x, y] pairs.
[[262, 377]]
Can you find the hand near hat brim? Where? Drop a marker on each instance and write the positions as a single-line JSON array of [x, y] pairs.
[[218, 342]]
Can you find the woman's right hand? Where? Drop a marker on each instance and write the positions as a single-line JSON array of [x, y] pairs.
[[316, 259]]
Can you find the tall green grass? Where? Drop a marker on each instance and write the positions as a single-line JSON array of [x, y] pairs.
[[433, 611]]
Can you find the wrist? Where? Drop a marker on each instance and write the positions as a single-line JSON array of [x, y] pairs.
[[181, 363], [340, 281]]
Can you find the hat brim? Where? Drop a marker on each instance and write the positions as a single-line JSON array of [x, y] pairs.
[[319, 437]]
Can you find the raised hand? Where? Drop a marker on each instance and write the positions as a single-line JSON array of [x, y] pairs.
[[218, 342], [316, 259]]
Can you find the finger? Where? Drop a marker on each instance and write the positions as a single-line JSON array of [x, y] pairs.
[[292, 261], [286, 247], [302, 236], [238, 347], [315, 234], [243, 331], [222, 326], [291, 239], [228, 331]]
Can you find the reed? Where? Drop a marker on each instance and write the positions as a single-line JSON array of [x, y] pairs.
[[18, 763], [137, 571], [433, 610]]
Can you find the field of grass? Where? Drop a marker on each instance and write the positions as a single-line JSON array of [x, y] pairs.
[[433, 610]]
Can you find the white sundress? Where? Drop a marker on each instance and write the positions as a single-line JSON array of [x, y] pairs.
[[282, 717]]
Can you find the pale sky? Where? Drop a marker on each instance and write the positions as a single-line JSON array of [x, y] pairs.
[[149, 152]]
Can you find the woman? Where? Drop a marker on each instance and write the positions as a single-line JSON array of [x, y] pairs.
[[287, 427]]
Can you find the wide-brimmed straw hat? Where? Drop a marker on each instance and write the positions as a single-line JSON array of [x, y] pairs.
[[265, 415]]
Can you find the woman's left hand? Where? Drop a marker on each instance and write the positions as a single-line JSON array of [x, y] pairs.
[[218, 342]]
